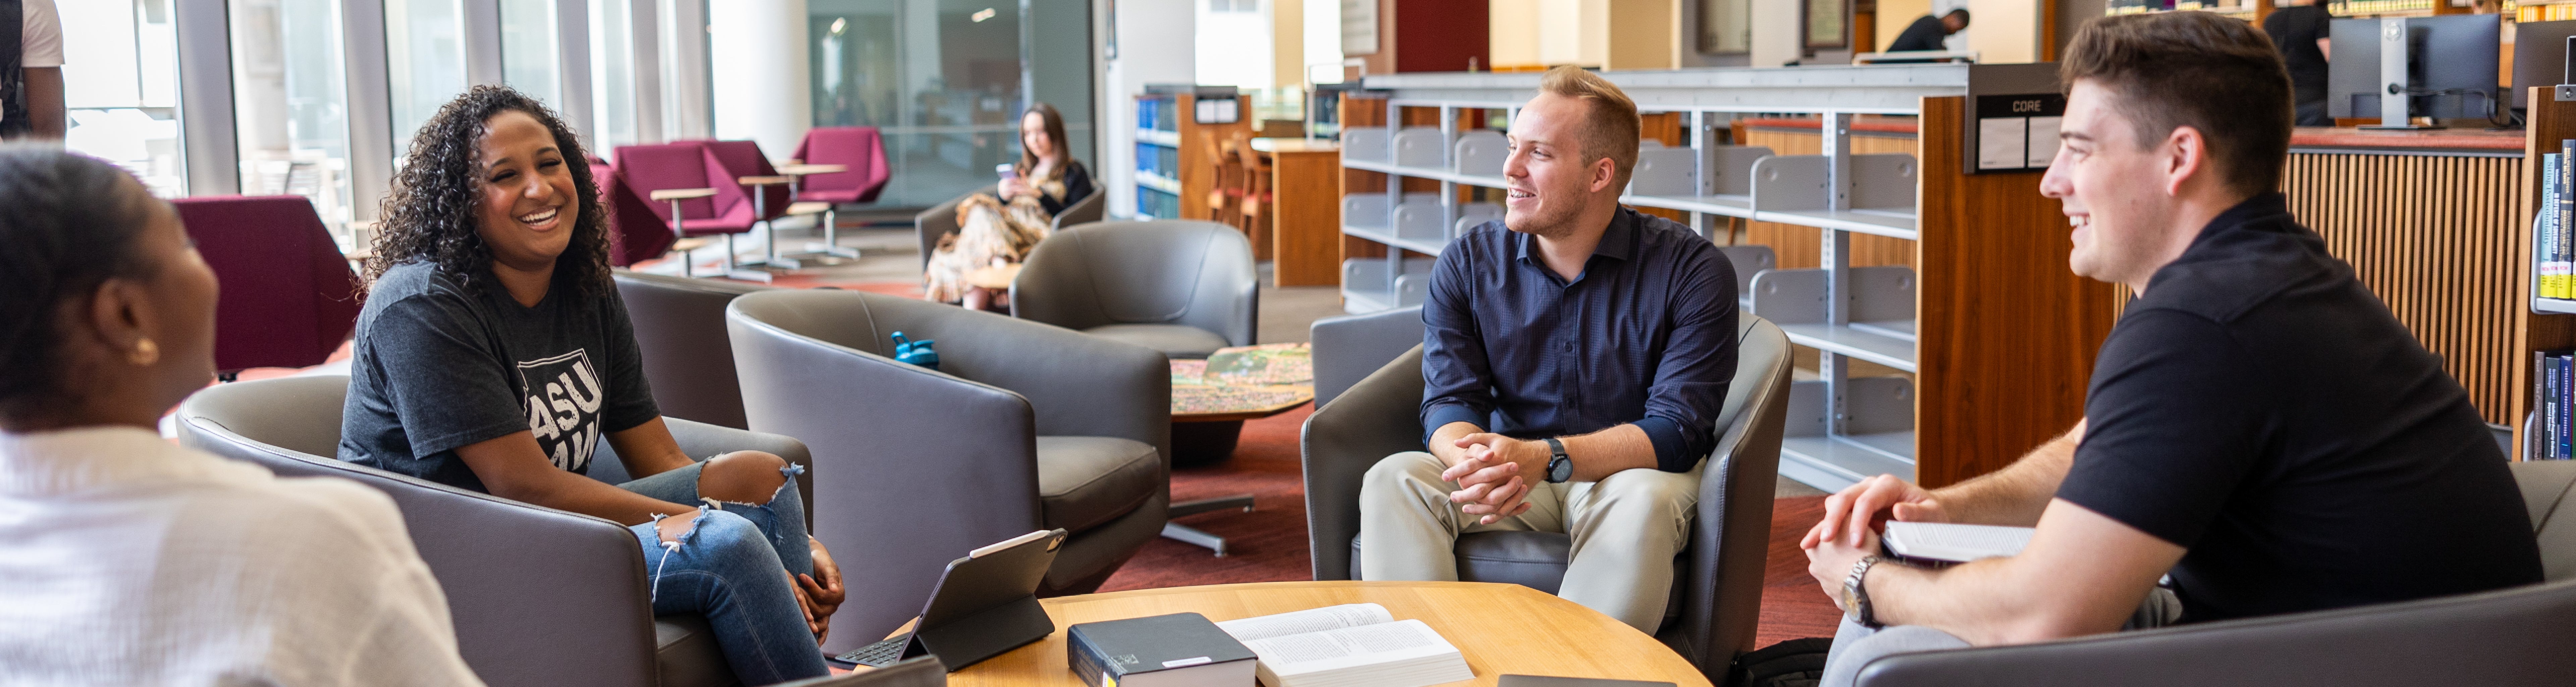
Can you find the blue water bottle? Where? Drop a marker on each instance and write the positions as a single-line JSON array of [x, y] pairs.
[[915, 352]]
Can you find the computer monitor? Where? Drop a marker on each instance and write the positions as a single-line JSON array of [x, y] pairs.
[[2450, 67], [2539, 56]]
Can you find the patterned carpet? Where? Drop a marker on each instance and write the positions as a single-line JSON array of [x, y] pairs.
[[1269, 544]]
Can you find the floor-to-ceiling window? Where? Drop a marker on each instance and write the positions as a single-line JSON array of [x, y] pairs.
[[940, 78], [530, 58], [120, 81], [290, 102], [612, 80], [424, 61]]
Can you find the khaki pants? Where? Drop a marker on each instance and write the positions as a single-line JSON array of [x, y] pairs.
[[1627, 529]]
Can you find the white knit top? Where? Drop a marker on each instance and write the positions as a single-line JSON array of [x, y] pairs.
[[128, 560]]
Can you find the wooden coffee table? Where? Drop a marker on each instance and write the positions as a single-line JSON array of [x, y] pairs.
[[1502, 629], [1208, 410]]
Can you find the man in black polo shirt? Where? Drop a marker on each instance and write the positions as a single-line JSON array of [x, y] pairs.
[[1574, 359], [2258, 425], [1929, 33]]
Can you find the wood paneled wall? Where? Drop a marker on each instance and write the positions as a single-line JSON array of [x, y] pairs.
[[2006, 335], [2434, 237]]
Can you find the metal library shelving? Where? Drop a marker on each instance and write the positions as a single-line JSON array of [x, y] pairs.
[[1423, 139]]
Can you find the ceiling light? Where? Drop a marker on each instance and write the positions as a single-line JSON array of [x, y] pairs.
[[980, 16]]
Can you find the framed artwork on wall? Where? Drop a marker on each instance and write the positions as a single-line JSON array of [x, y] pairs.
[[1725, 27], [1827, 22]]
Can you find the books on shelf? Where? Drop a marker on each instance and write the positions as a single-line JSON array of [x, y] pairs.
[[1176, 650], [2553, 248], [2552, 430], [1351, 645]]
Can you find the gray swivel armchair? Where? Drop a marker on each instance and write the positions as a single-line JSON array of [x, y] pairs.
[[1717, 593], [941, 219], [2506, 637], [1349, 347], [1024, 426], [504, 565], [1183, 287], [680, 327]]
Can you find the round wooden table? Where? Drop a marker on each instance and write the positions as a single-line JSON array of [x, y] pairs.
[[1501, 628]]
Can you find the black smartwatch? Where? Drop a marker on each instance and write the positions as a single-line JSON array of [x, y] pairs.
[[1559, 467]]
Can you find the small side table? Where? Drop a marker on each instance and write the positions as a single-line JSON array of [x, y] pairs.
[[1208, 411], [829, 250]]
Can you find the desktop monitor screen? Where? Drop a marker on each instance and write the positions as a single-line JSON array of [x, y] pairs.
[[2539, 56], [2450, 67]]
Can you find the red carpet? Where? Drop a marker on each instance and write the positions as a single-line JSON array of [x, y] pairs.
[[1269, 543]]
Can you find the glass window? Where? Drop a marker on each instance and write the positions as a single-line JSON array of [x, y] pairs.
[[940, 79], [290, 103], [529, 60], [120, 83], [612, 75], [425, 58]]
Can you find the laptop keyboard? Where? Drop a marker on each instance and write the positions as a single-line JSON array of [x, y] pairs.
[[880, 654]]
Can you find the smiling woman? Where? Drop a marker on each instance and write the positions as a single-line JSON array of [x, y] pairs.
[[494, 355]]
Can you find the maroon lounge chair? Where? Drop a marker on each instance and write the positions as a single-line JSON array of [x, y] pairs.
[[862, 149], [289, 298], [706, 196], [635, 233], [750, 167]]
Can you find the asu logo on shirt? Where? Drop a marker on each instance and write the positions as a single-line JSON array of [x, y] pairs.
[[564, 396]]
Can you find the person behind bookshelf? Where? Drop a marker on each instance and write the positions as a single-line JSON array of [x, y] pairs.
[[126, 559], [2258, 425], [1575, 356]]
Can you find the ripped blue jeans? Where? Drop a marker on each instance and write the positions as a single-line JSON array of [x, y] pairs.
[[732, 567]]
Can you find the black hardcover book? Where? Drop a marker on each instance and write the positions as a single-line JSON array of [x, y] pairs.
[[1181, 649]]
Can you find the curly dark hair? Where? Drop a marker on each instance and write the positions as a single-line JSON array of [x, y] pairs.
[[430, 215], [72, 224]]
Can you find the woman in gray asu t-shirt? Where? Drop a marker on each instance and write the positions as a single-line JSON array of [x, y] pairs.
[[494, 355]]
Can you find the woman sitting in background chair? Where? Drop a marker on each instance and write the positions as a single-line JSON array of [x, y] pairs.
[[1000, 231], [125, 559], [494, 354]]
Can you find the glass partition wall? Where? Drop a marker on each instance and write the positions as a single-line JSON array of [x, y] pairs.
[[424, 62], [945, 82]]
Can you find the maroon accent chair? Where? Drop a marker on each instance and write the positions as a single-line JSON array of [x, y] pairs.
[[771, 194], [635, 233], [289, 298], [645, 169], [862, 149], [859, 147]]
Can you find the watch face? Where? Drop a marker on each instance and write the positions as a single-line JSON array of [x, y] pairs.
[[1560, 470]]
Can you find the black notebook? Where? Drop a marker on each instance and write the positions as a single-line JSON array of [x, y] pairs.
[[1177, 650]]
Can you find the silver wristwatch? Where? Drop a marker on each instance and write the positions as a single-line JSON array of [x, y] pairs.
[[1856, 596]]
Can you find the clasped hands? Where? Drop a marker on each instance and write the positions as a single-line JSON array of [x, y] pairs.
[[818, 594], [1850, 527], [1493, 474]]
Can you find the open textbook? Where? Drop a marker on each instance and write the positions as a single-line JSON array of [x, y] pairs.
[[1352, 645], [1940, 542]]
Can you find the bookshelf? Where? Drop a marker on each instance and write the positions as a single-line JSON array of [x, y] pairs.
[[2548, 325], [1174, 172], [1945, 367]]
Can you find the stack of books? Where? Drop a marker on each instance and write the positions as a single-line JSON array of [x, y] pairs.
[[2553, 404], [2553, 245]]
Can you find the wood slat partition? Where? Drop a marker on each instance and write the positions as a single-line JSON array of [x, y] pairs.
[[2006, 334], [2434, 236]]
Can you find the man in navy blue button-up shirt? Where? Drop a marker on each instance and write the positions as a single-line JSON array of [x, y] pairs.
[[1575, 356]]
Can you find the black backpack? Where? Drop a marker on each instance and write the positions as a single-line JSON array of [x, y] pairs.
[[1792, 663]]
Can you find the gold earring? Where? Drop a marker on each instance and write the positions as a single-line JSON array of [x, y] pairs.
[[145, 353]]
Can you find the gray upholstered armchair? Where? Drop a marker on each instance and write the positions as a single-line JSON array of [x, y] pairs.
[[1023, 426], [2510, 637], [679, 326], [941, 219], [1718, 593], [502, 563], [1183, 287], [1348, 348]]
